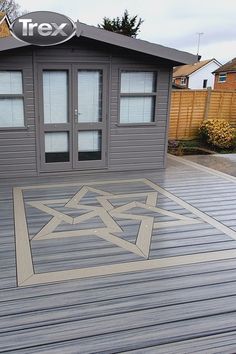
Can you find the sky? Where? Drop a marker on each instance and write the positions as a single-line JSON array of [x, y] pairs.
[[173, 23]]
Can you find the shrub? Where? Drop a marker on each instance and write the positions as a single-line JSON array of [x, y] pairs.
[[176, 147], [217, 133], [173, 144]]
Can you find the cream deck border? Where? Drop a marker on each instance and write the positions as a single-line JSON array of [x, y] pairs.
[[25, 271], [128, 267]]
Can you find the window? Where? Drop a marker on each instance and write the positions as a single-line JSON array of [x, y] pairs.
[[55, 96], [90, 96], [183, 81], [56, 147], [11, 100], [89, 145], [204, 85], [222, 77], [137, 97]]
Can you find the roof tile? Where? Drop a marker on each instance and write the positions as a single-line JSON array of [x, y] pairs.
[[228, 67], [186, 70]]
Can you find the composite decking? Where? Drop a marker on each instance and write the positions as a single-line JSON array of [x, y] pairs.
[[119, 263]]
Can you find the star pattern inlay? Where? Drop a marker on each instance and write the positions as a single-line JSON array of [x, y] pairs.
[[153, 209], [108, 213]]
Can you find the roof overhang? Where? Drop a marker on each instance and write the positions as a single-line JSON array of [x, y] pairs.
[[224, 71], [118, 40], [134, 44], [8, 43]]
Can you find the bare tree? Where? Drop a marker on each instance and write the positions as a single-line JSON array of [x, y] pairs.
[[11, 8]]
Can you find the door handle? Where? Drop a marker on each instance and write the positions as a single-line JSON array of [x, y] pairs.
[[76, 115]]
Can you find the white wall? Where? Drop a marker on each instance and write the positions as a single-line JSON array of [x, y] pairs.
[[196, 79]]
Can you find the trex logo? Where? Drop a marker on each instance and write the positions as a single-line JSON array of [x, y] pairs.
[[43, 28]]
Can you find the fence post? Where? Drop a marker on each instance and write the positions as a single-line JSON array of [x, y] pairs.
[[208, 102], [178, 119]]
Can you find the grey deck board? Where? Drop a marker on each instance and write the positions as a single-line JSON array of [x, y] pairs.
[[129, 302], [183, 309], [107, 332], [216, 344]]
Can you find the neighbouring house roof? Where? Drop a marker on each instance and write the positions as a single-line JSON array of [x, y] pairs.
[[4, 25], [2, 15], [178, 87], [187, 70], [230, 66], [101, 35]]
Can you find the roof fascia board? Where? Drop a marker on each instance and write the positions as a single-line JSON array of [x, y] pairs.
[[217, 62], [226, 71], [137, 45]]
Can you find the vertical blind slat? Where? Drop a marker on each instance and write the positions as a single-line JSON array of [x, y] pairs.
[[89, 95], [11, 112], [137, 82], [56, 142], [88, 141], [136, 109], [11, 82], [55, 96]]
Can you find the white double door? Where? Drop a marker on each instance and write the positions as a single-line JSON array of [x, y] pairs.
[[72, 112]]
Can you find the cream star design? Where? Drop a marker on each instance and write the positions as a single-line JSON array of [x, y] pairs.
[[108, 213]]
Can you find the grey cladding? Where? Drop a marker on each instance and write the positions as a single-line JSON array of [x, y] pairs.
[[126, 147]]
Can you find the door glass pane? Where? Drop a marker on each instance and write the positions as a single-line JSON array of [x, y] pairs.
[[137, 82], [55, 96], [56, 147], [89, 96], [11, 112], [11, 82], [89, 145], [136, 109]]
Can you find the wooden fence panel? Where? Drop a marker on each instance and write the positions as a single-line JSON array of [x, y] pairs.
[[190, 107], [223, 106]]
